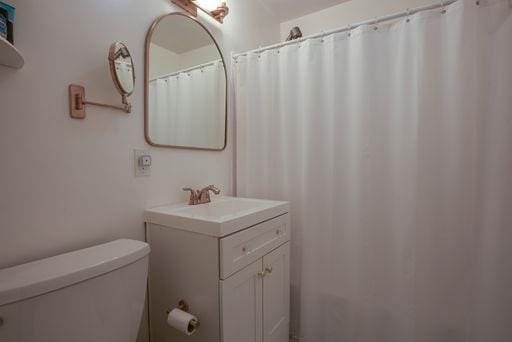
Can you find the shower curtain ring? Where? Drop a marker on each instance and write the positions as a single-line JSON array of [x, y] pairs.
[[375, 23], [443, 6]]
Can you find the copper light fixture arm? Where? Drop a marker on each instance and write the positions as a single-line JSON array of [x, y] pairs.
[[220, 13], [191, 7]]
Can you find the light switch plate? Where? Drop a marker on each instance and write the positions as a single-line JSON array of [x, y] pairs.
[[141, 160]]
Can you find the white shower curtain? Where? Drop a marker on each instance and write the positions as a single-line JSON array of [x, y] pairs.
[[178, 118], [394, 146], [124, 72]]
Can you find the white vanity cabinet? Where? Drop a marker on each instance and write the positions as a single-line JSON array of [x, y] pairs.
[[235, 276], [256, 300]]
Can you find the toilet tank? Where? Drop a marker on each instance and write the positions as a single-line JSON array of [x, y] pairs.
[[94, 294]]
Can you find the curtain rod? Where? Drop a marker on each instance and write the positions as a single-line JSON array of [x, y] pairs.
[[375, 21], [186, 70]]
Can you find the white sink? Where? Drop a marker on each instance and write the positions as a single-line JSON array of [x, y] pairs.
[[221, 217]]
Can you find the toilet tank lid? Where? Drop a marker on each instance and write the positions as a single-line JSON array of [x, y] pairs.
[[50, 274]]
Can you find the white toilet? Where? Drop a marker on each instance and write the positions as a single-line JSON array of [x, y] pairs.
[[91, 295]]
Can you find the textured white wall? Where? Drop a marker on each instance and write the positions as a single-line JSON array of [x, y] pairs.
[[67, 184], [347, 13]]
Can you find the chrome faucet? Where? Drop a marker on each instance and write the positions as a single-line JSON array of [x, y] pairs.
[[201, 196]]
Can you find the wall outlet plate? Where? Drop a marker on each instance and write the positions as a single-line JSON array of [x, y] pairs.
[[142, 162]]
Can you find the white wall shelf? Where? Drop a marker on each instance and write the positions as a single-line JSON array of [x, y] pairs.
[[9, 55]]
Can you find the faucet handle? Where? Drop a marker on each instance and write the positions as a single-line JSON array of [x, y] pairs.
[[204, 194], [193, 196], [213, 189]]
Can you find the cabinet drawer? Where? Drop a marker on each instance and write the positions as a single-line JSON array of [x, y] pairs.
[[245, 247]]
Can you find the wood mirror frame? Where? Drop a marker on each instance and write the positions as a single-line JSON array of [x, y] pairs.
[[149, 37]]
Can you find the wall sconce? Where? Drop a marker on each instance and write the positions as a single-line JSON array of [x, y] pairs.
[[218, 12]]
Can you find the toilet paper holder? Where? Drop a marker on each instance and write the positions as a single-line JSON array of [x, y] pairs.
[[183, 306]]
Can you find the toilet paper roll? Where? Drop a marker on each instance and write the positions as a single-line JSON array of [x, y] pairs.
[[182, 321]]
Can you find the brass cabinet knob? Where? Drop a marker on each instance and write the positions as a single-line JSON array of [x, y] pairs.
[[244, 249], [266, 271]]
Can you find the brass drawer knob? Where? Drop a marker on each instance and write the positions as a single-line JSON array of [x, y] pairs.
[[245, 249]]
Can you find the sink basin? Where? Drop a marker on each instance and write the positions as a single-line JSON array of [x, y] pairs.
[[223, 216]]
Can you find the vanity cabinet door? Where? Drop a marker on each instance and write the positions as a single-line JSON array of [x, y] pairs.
[[276, 295], [242, 305]]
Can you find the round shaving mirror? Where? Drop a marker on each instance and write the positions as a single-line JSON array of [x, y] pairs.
[[121, 68]]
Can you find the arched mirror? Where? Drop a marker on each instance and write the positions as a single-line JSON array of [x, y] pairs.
[[185, 86]]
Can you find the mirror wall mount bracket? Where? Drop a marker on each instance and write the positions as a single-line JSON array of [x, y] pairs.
[[77, 103], [191, 7]]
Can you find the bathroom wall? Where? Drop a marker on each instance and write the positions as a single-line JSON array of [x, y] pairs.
[[163, 61], [68, 184], [199, 56], [347, 13]]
